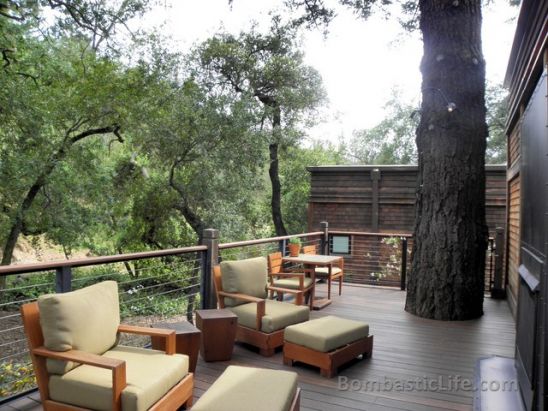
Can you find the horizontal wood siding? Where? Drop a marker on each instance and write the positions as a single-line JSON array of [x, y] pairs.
[[514, 147], [341, 216], [513, 241], [343, 196]]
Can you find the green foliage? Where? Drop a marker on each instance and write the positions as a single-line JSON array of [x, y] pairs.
[[26, 287], [295, 240], [269, 70], [496, 101], [296, 179], [15, 377], [392, 141]]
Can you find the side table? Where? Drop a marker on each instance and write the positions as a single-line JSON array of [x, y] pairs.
[[218, 333], [187, 341]]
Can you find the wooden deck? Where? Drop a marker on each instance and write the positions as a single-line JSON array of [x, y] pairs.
[[410, 353]]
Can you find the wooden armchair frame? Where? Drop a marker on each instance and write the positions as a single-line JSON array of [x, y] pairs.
[[180, 394], [266, 342], [276, 269]]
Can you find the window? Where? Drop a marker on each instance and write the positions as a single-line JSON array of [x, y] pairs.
[[340, 244]]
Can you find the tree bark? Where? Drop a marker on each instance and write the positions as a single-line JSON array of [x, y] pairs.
[[447, 272], [273, 172]]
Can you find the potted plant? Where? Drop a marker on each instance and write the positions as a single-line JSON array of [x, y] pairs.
[[294, 246]]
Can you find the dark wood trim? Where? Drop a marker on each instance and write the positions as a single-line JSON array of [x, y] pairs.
[[527, 57]]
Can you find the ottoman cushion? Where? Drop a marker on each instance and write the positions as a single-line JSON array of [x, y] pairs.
[[245, 388], [327, 333], [278, 315]]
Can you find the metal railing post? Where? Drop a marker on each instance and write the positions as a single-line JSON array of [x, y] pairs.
[[210, 239], [63, 279], [498, 288], [324, 245], [282, 246], [403, 272]]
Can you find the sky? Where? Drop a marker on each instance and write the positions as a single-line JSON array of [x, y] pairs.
[[360, 62]]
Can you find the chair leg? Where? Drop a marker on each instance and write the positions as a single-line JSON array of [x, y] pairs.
[[340, 285], [329, 287]]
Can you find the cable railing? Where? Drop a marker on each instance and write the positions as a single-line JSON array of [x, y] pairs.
[[152, 286], [373, 258]]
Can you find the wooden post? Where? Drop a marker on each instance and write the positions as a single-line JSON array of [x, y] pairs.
[[324, 245], [375, 177], [211, 258], [63, 279], [403, 272], [498, 288]]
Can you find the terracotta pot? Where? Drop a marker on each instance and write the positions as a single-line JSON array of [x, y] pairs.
[[294, 249]]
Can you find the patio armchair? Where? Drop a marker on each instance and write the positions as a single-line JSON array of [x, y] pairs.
[[242, 287], [281, 278], [73, 342]]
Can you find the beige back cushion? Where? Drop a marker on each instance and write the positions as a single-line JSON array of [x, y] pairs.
[[245, 277], [85, 320]]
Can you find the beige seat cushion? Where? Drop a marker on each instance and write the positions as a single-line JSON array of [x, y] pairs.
[[325, 270], [244, 276], [150, 374], [292, 283], [244, 388], [278, 315], [85, 320], [327, 333]]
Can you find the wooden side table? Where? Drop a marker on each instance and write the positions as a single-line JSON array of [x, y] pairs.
[[187, 341], [218, 333]]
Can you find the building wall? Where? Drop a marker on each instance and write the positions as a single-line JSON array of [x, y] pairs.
[[514, 208], [360, 198]]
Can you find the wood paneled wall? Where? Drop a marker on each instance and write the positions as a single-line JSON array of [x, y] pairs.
[[382, 198]]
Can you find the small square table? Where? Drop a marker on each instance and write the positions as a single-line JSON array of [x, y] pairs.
[[218, 333], [187, 340], [313, 261]]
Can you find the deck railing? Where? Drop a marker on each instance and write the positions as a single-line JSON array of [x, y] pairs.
[[172, 283]]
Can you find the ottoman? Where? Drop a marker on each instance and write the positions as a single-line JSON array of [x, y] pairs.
[[246, 388], [327, 343]]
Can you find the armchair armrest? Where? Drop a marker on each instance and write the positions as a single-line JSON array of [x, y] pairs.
[[298, 293], [261, 305], [300, 276], [243, 297], [118, 368], [168, 335]]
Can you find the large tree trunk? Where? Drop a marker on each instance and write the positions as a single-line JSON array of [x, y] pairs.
[[276, 200], [447, 273], [273, 172]]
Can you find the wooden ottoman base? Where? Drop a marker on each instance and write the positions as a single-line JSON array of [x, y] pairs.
[[266, 342], [328, 362]]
